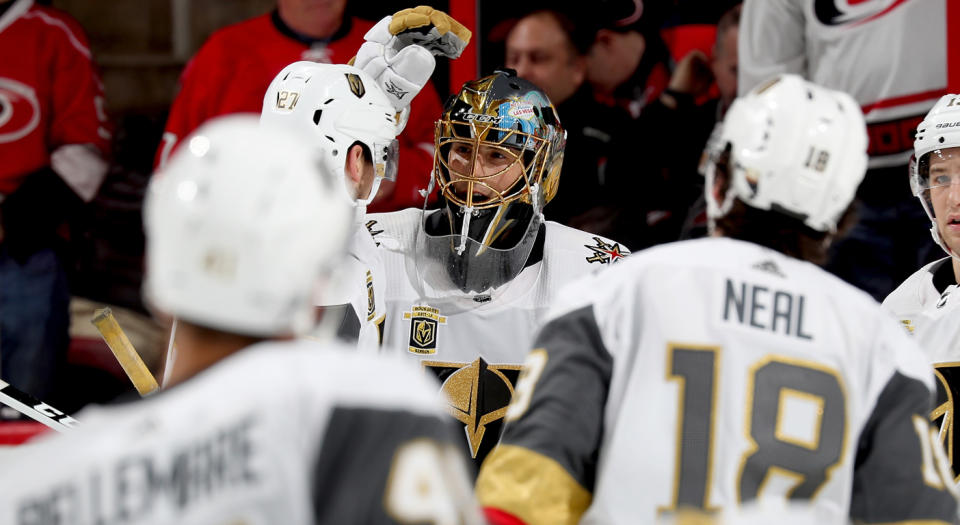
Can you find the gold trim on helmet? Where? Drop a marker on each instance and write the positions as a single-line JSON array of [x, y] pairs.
[[531, 159]]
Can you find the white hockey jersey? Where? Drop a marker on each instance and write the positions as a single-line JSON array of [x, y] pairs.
[[890, 55], [705, 374], [292, 433], [475, 344], [359, 284], [928, 307]]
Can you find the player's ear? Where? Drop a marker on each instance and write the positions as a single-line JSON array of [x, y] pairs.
[[355, 164]]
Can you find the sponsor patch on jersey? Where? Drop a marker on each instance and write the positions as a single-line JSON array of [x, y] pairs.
[[374, 231], [770, 267], [478, 394], [604, 252], [425, 321], [356, 85], [371, 302]]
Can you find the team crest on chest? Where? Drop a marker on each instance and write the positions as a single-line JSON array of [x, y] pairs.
[[371, 300], [425, 322], [604, 252], [478, 394]]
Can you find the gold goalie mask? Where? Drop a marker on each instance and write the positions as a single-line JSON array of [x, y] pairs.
[[498, 152]]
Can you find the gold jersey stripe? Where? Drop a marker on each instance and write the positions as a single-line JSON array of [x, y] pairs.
[[531, 486]]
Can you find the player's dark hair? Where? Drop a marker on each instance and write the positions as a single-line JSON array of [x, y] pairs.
[[367, 155], [781, 232]]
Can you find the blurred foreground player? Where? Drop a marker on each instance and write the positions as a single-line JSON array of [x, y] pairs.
[[709, 374], [468, 284], [258, 427], [926, 303]]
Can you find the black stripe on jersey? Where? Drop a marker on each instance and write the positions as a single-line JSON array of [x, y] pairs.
[[888, 482], [349, 328], [565, 419], [943, 276], [357, 454]]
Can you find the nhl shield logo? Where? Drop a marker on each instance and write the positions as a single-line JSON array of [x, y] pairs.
[[356, 85], [424, 323]]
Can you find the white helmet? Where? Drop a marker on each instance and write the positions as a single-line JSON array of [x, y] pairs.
[[241, 224], [335, 105], [795, 147], [939, 131]]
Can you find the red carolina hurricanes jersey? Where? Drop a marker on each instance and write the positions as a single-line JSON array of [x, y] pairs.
[[50, 95], [233, 69]]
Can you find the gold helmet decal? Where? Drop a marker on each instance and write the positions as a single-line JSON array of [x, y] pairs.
[[356, 84]]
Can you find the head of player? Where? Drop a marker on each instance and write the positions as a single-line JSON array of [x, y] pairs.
[[935, 173], [498, 152], [241, 225], [341, 111], [784, 165]]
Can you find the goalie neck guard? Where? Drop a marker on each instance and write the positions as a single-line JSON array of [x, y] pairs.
[[498, 153]]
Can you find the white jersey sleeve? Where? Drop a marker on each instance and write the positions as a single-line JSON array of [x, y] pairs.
[[292, 433], [357, 293], [725, 373]]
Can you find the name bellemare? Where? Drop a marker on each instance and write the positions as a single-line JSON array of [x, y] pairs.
[[134, 485], [765, 309]]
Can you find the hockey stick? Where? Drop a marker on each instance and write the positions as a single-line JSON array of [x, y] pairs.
[[34, 408], [124, 351]]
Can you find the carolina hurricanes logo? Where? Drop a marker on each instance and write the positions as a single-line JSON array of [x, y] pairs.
[[851, 12], [19, 110]]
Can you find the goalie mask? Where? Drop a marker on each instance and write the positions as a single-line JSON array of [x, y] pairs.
[[241, 224], [935, 170], [792, 147], [336, 106], [498, 153]]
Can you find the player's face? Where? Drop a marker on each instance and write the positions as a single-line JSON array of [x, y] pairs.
[[945, 194], [724, 65], [495, 168], [540, 51]]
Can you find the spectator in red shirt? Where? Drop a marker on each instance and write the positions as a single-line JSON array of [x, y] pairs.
[[232, 70], [53, 140]]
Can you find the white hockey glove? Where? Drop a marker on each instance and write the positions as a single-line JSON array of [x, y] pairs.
[[399, 52]]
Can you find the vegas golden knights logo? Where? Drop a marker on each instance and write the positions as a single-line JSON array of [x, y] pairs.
[[371, 302], [943, 417], [478, 394], [356, 85], [424, 323]]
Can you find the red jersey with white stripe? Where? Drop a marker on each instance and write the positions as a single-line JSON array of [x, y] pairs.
[[234, 68], [50, 98], [892, 56]]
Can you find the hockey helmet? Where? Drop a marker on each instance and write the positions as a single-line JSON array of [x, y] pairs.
[[241, 224], [794, 147], [937, 144], [336, 106]]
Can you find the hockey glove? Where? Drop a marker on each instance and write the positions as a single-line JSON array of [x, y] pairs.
[[399, 50]]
